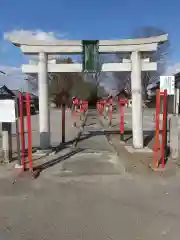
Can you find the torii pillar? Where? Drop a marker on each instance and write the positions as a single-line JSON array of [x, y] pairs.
[[44, 115], [136, 90]]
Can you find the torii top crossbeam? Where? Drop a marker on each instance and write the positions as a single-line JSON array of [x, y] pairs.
[[75, 46]]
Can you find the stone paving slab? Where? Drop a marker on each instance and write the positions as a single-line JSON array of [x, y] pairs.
[[90, 164]]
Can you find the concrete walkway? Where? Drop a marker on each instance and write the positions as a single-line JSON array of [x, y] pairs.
[[94, 156]]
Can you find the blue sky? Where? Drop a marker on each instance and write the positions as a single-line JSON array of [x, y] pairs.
[[80, 19]]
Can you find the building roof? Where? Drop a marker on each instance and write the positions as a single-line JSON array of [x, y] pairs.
[[122, 92], [31, 94], [5, 91], [17, 93]]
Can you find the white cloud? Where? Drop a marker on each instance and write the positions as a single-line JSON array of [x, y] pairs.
[[13, 78], [173, 69], [34, 34]]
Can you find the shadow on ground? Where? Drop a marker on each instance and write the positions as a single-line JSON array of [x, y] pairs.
[[39, 168]]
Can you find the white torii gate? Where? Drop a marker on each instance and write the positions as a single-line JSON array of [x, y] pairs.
[[134, 64]]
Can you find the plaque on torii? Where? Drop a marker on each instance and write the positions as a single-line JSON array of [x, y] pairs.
[[90, 56]]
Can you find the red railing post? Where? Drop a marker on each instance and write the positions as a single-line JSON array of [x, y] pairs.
[[164, 130], [86, 106], [21, 115], [122, 105], [104, 108], [110, 110], [75, 115], [81, 108], [100, 107], [29, 130], [97, 106], [156, 145], [75, 102], [63, 121]]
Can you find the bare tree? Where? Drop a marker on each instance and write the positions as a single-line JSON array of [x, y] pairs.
[[163, 51], [93, 80], [119, 80], [32, 82], [160, 56], [123, 80]]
